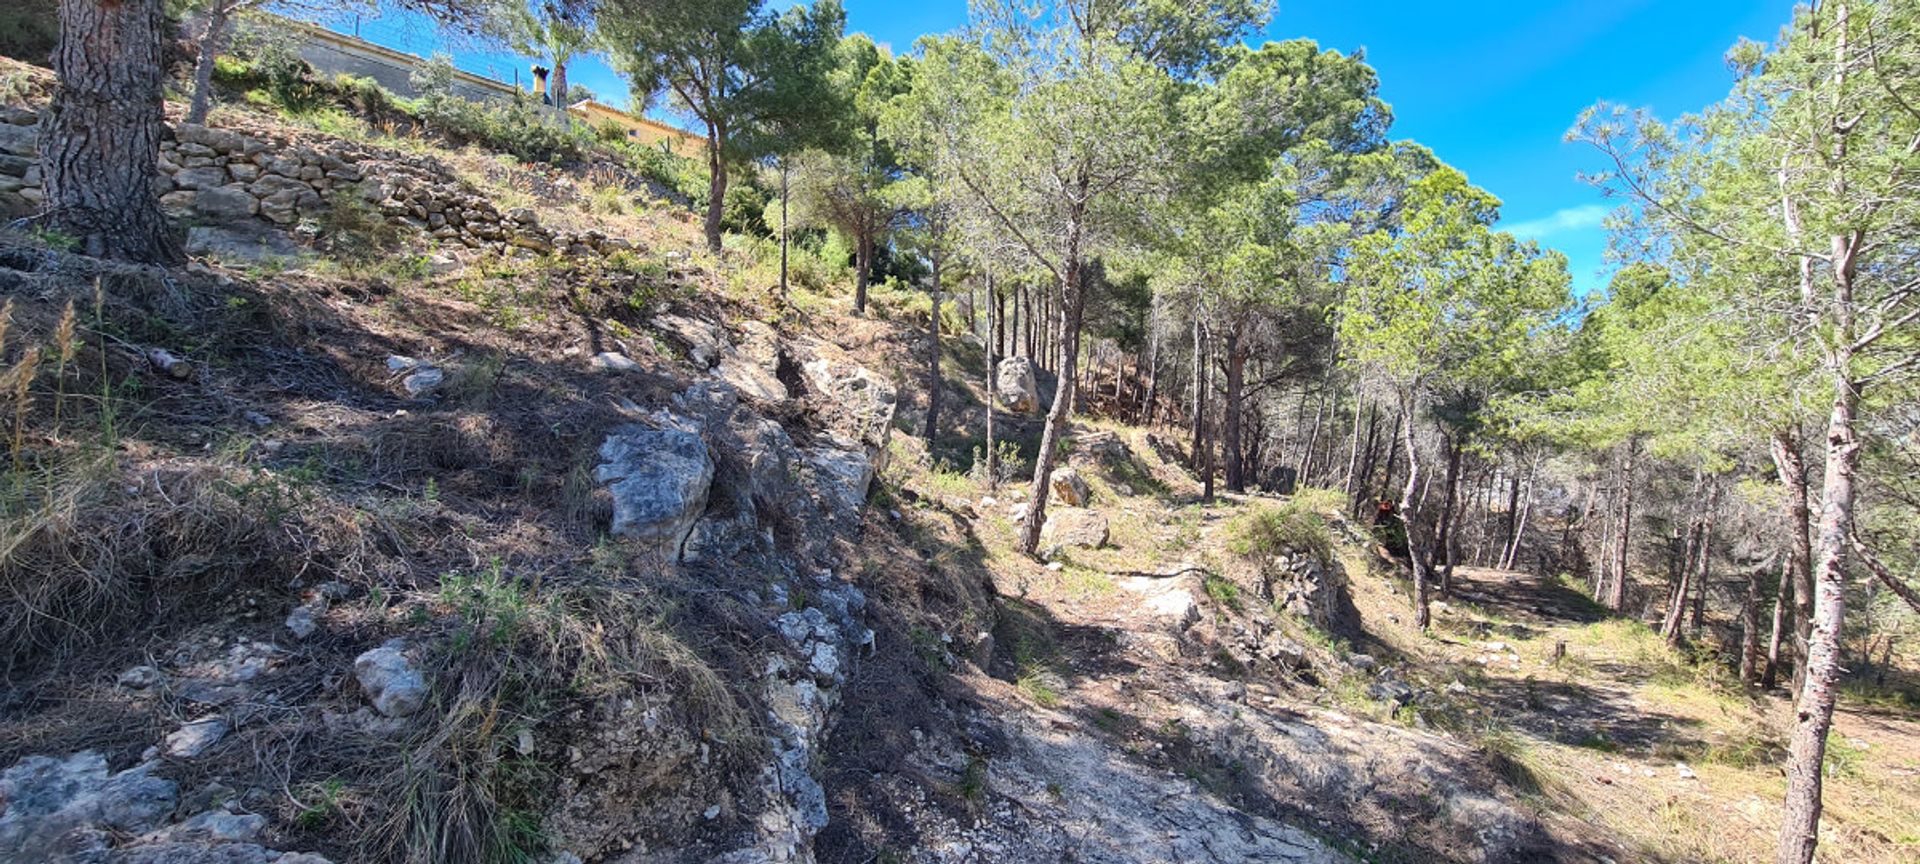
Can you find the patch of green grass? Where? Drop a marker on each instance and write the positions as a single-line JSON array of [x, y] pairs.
[[1288, 528], [1223, 591]]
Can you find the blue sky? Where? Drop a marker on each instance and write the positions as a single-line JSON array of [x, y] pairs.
[[1491, 87]]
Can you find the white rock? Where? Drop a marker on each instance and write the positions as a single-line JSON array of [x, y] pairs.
[[194, 738], [395, 688]]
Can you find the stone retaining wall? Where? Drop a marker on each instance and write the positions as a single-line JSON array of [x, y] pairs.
[[263, 179]]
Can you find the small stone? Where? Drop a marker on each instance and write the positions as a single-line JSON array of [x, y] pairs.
[[194, 738], [423, 382], [140, 678], [305, 620], [1684, 771], [390, 681], [614, 361]]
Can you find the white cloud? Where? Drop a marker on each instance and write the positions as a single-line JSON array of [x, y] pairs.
[[1561, 221]]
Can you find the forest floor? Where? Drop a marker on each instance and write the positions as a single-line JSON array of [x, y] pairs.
[[1604, 743]]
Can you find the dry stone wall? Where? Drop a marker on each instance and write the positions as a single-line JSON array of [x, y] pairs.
[[269, 179]]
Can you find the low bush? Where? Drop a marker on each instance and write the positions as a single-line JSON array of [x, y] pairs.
[[1289, 527]]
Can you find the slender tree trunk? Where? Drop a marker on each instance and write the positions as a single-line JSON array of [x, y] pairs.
[[1410, 518], [1751, 657], [1393, 453], [1792, 468], [100, 143], [1703, 556], [1782, 599], [1236, 385], [212, 43], [1199, 390], [1813, 716], [1616, 598], [995, 325], [933, 356], [1072, 302], [1512, 553], [785, 234], [1449, 506], [862, 271], [716, 183]]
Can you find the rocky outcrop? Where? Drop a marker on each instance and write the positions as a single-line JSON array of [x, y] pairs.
[[72, 810], [1300, 582], [1016, 386]]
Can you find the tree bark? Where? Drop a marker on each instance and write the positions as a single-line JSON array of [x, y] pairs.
[[1231, 450], [212, 42], [1443, 537], [996, 325], [1781, 600], [100, 147], [1199, 391], [862, 268], [716, 183], [1410, 519], [784, 233], [1616, 598], [1057, 417], [1751, 658], [1792, 468], [933, 357]]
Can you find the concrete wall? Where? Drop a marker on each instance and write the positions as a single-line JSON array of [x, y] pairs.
[[338, 54]]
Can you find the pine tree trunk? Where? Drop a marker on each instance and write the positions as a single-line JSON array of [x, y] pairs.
[[996, 325], [212, 43], [1751, 658], [784, 233], [1057, 417], [1792, 468], [1781, 600], [933, 359], [1410, 519], [862, 266], [1443, 536], [716, 183], [1616, 598], [100, 147], [1231, 450], [1199, 392]]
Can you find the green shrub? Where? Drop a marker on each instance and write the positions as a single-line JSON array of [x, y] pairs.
[[1288, 527]]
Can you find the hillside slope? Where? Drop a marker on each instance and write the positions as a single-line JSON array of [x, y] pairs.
[[372, 542]]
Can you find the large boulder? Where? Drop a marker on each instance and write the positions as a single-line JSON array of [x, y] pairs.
[[1017, 387], [659, 479], [1086, 529], [706, 343]]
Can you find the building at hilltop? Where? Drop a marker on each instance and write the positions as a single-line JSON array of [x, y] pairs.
[[335, 53]]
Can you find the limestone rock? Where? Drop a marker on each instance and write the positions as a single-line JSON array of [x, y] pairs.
[[706, 343], [1086, 529], [390, 680], [225, 203], [1070, 488], [194, 738], [659, 479], [49, 798], [250, 243], [1016, 386]]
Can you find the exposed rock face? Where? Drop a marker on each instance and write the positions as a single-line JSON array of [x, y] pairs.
[[1083, 528], [1299, 583], [71, 810], [659, 479], [1016, 385], [1070, 488], [395, 688]]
